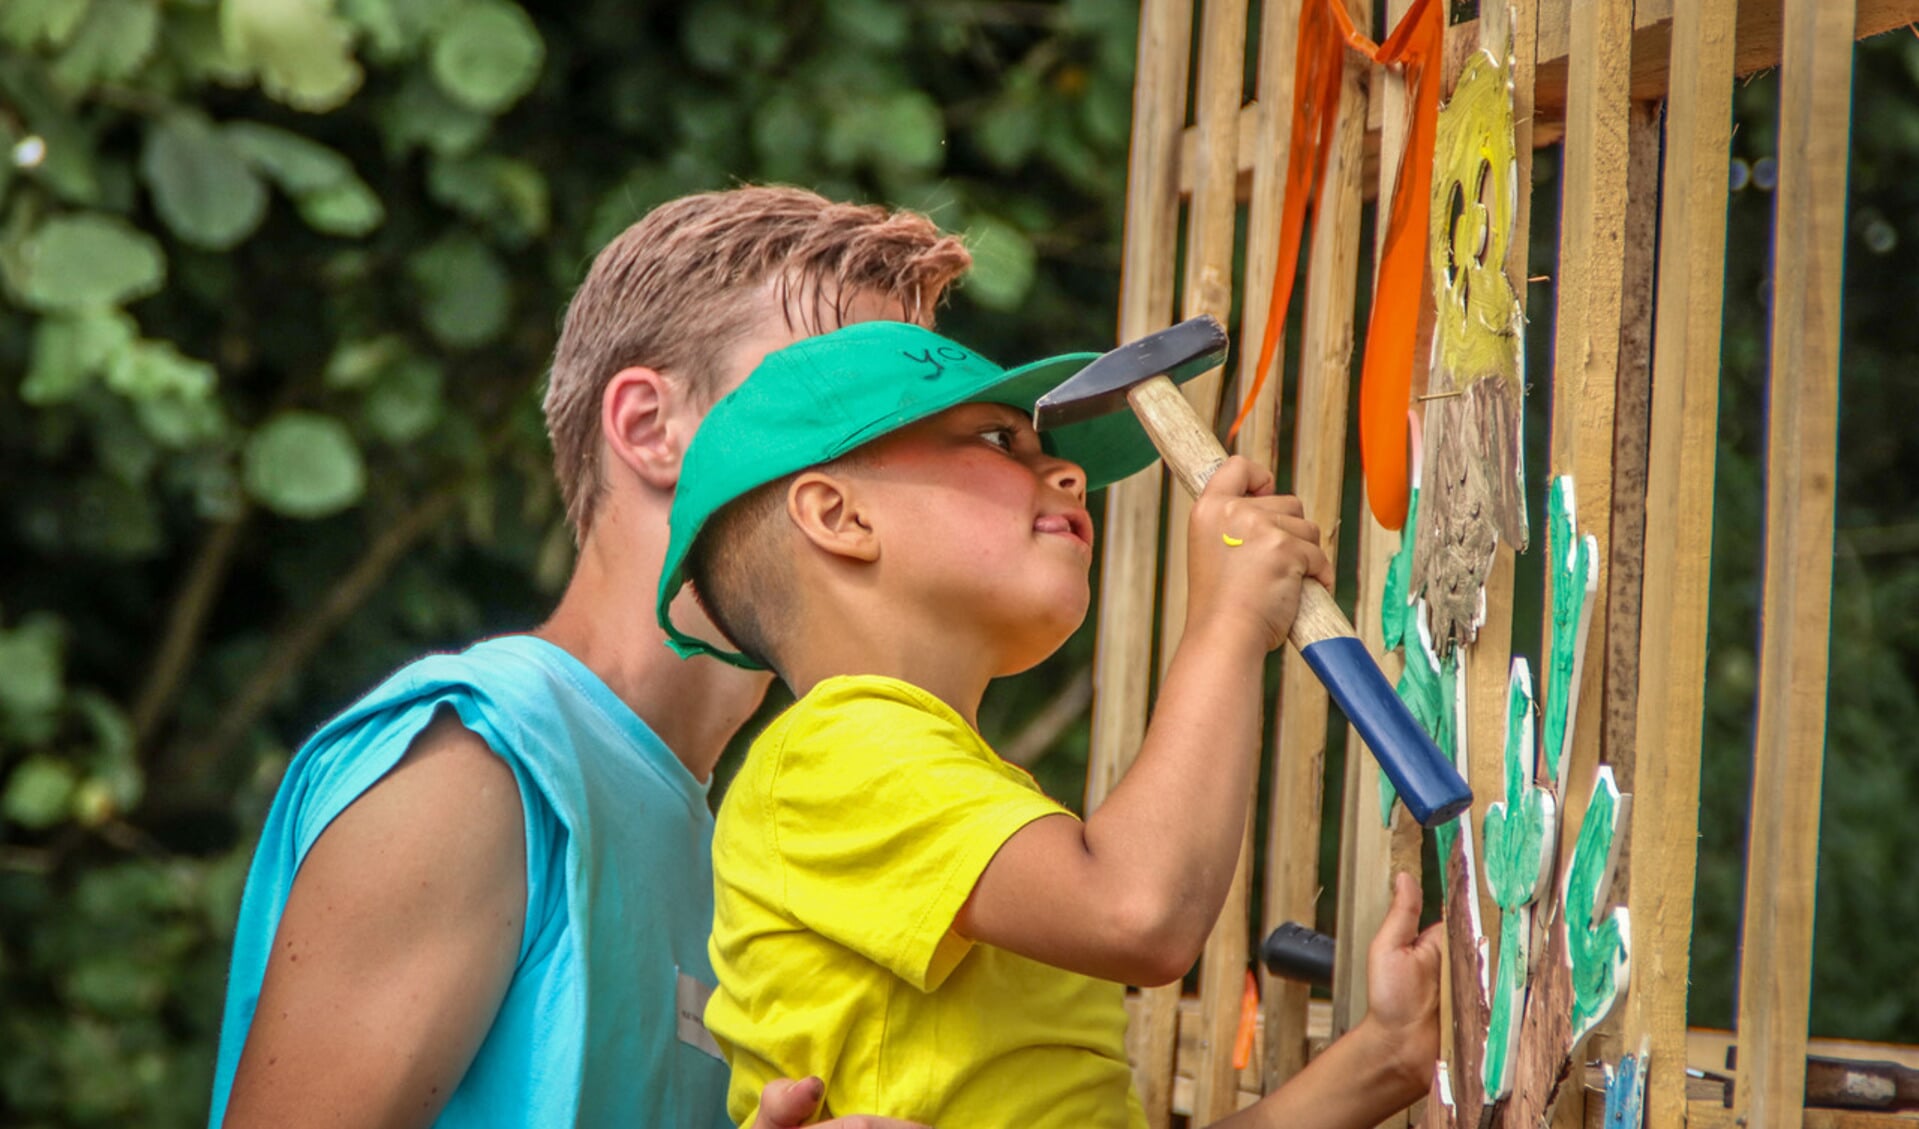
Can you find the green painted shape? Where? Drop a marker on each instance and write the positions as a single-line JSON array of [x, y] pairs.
[[1597, 950], [1516, 828], [1574, 561], [1395, 617], [1517, 831], [1508, 998]]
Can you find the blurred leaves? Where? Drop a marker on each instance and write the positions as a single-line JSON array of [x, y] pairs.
[[281, 282]]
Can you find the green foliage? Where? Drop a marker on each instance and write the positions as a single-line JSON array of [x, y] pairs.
[[281, 278]]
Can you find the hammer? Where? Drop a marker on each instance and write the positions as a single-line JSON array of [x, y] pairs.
[[1138, 374]]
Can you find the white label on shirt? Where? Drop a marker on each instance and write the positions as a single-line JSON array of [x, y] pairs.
[[689, 1002]]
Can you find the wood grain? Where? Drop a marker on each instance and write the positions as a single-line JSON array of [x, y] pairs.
[[1815, 94], [1325, 364], [1211, 220], [1122, 664], [1681, 446]]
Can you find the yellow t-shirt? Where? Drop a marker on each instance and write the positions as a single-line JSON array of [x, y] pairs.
[[851, 837]]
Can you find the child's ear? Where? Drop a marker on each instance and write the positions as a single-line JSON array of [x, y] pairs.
[[827, 513]]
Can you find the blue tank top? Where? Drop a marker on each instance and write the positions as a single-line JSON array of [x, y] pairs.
[[619, 890]]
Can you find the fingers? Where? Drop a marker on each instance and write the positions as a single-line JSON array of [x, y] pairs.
[[1239, 477], [1400, 929], [786, 1103]]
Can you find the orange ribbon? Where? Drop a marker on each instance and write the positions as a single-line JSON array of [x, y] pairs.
[[1325, 31], [1248, 1023]]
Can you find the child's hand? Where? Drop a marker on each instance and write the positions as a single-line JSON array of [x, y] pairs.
[[1402, 988], [785, 1104], [1247, 554]]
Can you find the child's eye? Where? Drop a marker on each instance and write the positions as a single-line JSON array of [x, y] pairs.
[[1001, 437]]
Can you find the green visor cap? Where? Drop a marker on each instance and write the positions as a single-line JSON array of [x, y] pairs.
[[815, 400]]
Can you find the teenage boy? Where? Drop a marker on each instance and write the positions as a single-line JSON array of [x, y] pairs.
[[483, 894], [898, 911]]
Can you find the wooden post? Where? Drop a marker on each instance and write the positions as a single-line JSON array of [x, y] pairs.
[[1681, 446], [1122, 663], [1815, 95], [1211, 221], [1365, 842], [1319, 466], [1259, 436], [1586, 343]]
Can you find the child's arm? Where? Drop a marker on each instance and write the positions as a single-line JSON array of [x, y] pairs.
[[395, 947], [1131, 894], [1386, 1063]]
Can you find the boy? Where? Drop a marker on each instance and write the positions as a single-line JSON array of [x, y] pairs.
[[897, 910]]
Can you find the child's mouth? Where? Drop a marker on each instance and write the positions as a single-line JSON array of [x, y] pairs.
[[1077, 524]]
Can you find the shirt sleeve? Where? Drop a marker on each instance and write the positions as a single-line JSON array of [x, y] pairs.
[[885, 813]]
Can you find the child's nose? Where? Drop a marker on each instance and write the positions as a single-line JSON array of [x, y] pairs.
[[1068, 477]]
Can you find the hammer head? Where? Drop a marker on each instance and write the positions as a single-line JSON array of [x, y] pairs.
[[1181, 352]]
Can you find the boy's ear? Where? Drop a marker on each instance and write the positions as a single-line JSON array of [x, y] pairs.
[[644, 422], [827, 512]]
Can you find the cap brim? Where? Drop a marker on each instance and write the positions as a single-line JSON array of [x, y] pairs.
[[1108, 448]]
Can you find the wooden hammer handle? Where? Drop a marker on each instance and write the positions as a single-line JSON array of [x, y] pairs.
[[1194, 453]]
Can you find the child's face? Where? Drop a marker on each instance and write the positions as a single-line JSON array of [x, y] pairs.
[[982, 530]]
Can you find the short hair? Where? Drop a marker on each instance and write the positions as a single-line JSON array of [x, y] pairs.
[[741, 570], [741, 564], [669, 287]]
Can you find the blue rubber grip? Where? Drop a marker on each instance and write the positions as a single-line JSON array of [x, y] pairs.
[[1427, 781]]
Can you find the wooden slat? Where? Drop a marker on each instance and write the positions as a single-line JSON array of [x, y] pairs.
[[1122, 664], [1589, 278], [1319, 457], [1211, 219], [1757, 48], [1365, 842], [1681, 445], [1815, 94], [1259, 436]]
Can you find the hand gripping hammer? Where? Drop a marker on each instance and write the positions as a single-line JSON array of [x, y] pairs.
[[1142, 374]]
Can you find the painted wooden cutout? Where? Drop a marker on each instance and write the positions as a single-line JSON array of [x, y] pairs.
[[1475, 493], [1519, 832], [1575, 581], [1626, 1091], [1563, 947], [1597, 937]]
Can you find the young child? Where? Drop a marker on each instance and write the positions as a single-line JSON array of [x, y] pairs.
[[897, 910]]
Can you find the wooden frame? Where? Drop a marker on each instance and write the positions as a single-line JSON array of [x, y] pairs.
[[1635, 402]]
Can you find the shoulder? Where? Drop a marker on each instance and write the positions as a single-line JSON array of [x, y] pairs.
[[450, 803]]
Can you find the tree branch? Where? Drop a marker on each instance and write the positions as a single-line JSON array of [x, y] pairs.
[[180, 643], [295, 643]]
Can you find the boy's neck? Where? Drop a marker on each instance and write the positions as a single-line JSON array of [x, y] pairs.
[[605, 619], [949, 669]]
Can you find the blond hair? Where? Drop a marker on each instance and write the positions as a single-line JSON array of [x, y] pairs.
[[670, 293]]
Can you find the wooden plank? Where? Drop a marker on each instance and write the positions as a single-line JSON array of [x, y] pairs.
[[1365, 841], [1756, 48], [1815, 96], [1706, 1048], [1259, 437], [1632, 413], [1211, 220], [1681, 446], [1122, 663], [1319, 468], [1589, 277]]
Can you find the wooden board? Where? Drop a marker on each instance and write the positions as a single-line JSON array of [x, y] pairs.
[[1815, 93], [1681, 447], [1756, 48], [1212, 215], [1122, 665], [1325, 364]]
